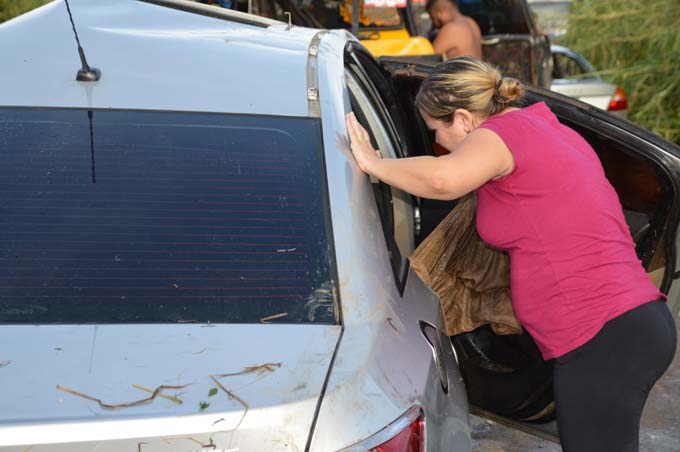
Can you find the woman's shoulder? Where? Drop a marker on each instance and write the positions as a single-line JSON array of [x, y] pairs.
[[527, 121], [537, 110]]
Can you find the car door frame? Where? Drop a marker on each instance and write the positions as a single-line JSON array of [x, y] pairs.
[[663, 153], [376, 85]]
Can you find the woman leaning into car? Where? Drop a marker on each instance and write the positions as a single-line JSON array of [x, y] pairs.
[[577, 285]]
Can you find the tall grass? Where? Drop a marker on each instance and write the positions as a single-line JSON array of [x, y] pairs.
[[637, 46], [11, 8]]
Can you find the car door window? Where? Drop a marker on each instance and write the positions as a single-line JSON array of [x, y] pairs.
[[396, 206], [569, 67]]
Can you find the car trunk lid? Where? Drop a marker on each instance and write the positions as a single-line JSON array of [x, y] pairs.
[[78, 387]]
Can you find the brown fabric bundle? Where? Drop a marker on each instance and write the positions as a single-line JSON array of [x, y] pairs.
[[471, 277]]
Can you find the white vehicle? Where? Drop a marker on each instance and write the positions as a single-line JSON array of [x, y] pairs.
[[191, 260], [574, 76]]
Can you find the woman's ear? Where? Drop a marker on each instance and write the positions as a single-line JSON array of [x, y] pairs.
[[465, 119]]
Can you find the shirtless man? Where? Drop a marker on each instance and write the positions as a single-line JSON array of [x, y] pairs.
[[458, 34]]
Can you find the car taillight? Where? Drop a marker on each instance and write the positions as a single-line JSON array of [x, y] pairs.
[[618, 101], [411, 439]]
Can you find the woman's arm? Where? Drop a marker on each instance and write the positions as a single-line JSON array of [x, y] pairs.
[[480, 157]]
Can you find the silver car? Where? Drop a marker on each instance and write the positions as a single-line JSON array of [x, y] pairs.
[[575, 76], [191, 260]]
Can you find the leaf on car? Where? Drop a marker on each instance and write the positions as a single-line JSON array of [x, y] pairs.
[[203, 405], [212, 392]]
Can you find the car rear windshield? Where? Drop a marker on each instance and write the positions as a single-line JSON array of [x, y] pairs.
[[128, 217]]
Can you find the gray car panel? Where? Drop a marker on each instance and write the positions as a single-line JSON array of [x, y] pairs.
[[384, 365], [112, 362], [152, 58]]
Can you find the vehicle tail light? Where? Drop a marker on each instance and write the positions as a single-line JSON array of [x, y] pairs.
[[619, 101], [411, 439]]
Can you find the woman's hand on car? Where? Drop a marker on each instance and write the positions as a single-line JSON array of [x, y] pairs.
[[360, 144]]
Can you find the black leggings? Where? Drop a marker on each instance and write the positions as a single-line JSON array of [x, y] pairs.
[[601, 387]]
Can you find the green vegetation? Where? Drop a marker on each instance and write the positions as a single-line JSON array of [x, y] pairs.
[[11, 8], [637, 46]]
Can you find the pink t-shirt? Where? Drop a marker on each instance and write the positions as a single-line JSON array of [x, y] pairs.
[[573, 265]]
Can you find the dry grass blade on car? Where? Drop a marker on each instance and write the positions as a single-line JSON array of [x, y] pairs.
[[232, 396], [166, 397], [108, 406], [210, 445], [273, 317], [261, 369]]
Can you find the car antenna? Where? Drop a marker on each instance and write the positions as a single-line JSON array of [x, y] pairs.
[[86, 73]]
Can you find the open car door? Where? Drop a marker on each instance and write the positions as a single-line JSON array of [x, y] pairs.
[[511, 39], [505, 376]]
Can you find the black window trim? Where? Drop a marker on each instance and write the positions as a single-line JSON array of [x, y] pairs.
[[355, 66]]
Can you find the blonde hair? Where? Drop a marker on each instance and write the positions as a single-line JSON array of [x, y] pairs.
[[469, 83]]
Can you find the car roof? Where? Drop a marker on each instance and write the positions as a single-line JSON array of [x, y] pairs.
[[155, 55]]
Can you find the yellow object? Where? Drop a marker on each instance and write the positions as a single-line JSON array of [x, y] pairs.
[[371, 17], [379, 41], [395, 42]]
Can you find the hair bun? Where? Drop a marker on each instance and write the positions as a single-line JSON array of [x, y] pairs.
[[509, 90]]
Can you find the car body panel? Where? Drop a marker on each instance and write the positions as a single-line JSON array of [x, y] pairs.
[[593, 92], [367, 379], [105, 361], [145, 75]]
